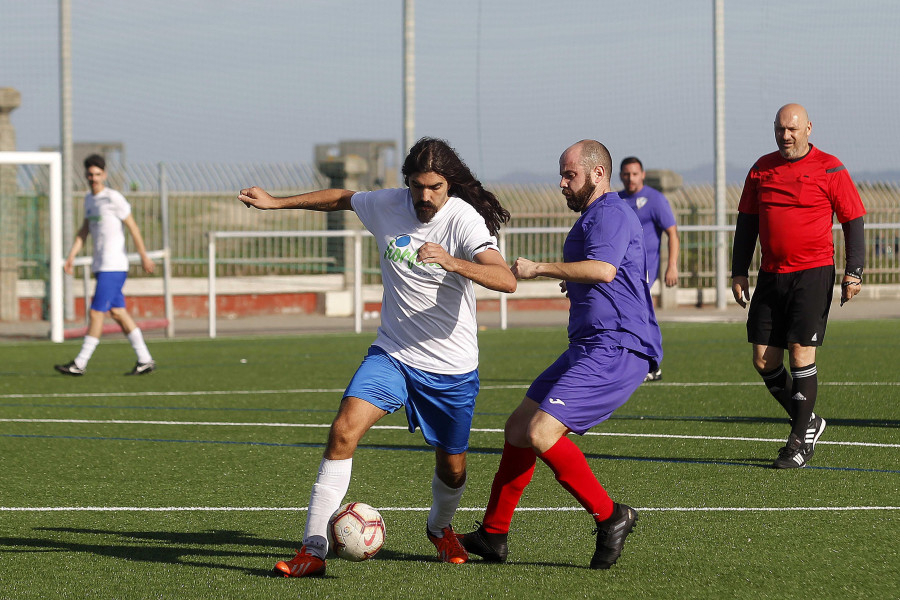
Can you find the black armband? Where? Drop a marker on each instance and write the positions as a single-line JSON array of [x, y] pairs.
[[746, 233], [854, 247]]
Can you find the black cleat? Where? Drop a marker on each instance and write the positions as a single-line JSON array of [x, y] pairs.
[[491, 547], [70, 368], [794, 454], [611, 535], [143, 368], [813, 432]]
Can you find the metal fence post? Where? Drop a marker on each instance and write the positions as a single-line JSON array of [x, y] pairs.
[[212, 284]]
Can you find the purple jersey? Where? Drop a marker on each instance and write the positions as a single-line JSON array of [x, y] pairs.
[[656, 216], [618, 313]]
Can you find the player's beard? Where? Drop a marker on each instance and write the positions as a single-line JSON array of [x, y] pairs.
[[577, 201], [424, 211]]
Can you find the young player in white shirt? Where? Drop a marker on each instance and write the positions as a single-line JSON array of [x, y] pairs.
[[105, 212]]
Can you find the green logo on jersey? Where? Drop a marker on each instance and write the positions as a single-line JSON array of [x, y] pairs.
[[400, 251]]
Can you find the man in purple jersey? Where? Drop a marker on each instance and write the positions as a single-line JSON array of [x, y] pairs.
[[656, 217], [614, 341]]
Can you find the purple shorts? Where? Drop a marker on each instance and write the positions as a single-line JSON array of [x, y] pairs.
[[587, 383]]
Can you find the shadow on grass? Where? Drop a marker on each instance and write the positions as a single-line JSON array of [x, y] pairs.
[[198, 549]]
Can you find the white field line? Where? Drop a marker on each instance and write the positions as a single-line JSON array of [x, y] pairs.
[[403, 428], [657, 384], [424, 509]]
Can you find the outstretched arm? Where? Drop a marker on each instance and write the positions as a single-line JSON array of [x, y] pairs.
[[585, 271], [322, 200]]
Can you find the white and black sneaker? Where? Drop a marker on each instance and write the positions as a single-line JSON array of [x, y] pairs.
[[793, 455], [70, 368], [143, 368], [653, 375], [611, 535], [813, 433]]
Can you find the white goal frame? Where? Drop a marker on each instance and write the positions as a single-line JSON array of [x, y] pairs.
[[54, 161], [57, 258]]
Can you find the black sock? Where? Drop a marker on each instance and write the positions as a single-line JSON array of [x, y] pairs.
[[779, 385], [803, 397]]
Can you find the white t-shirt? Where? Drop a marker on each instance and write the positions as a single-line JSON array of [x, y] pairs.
[[427, 315], [105, 212]]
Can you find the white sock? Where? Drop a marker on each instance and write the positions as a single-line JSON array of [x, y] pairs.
[[444, 501], [140, 348], [327, 494], [87, 350]]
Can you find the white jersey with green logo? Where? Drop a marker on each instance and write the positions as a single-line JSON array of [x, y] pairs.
[[427, 315], [105, 212]]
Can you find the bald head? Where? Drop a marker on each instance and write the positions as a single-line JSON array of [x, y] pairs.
[[584, 170], [792, 129]]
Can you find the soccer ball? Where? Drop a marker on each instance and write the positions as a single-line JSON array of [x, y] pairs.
[[356, 531]]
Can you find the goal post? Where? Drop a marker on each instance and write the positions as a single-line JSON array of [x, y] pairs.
[[54, 161]]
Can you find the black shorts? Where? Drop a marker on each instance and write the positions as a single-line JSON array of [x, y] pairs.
[[791, 307]]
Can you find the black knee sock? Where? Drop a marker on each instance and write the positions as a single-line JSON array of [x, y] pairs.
[[803, 397], [779, 385]]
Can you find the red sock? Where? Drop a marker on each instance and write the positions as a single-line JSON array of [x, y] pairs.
[[572, 471], [514, 473]]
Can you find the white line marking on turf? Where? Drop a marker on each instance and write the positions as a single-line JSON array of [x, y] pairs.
[[404, 428], [424, 509], [655, 384]]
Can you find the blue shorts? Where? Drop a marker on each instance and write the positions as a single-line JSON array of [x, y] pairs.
[[440, 405], [108, 293], [587, 383]]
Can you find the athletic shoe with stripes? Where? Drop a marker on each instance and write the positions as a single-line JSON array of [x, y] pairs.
[[70, 368], [449, 548], [611, 535], [305, 564], [793, 455], [813, 433]]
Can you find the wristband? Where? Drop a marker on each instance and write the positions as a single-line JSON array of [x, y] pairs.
[[857, 272]]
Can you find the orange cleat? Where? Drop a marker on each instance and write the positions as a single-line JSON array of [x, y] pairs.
[[304, 564], [450, 550]]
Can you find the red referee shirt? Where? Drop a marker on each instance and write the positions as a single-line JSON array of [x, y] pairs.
[[795, 201]]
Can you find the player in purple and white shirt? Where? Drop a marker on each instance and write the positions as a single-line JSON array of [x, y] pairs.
[[613, 341], [656, 217]]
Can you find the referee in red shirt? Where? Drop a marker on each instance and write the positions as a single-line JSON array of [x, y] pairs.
[[788, 203]]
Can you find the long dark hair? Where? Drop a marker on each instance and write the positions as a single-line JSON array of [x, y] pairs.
[[432, 155]]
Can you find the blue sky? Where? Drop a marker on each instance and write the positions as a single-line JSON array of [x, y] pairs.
[[510, 84]]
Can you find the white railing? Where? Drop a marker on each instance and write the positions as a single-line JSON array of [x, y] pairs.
[[357, 267], [357, 236]]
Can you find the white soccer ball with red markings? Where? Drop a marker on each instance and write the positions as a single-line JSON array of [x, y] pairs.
[[356, 531]]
